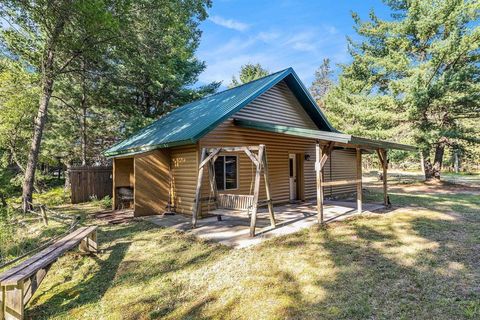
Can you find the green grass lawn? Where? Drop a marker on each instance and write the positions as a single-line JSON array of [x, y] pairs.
[[418, 261]]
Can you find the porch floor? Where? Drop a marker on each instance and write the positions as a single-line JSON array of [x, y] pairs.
[[233, 230]]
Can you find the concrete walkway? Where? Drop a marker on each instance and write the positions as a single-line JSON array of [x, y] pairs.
[[233, 230]]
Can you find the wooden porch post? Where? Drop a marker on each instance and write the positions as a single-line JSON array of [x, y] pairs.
[[385, 178], [319, 183], [114, 195], [253, 218], [359, 180], [382, 156], [267, 188], [197, 202]]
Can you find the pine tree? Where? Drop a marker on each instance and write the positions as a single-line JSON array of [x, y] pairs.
[[323, 82], [415, 76], [249, 72]]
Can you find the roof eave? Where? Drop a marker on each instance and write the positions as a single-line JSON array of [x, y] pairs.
[[324, 135], [139, 150]]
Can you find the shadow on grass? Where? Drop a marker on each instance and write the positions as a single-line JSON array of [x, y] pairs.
[[370, 284], [467, 205], [90, 290]]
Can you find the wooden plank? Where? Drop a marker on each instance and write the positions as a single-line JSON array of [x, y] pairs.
[[14, 306], [385, 177], [267, 189], [318, 169], [114, 193], [209, 157], [213, 184], [33, 283], [251, 156], [2, 302], [37, 256], [326, 151], [48, 259], [89, 243], [196, 203], [359, 179], [235, 149], [253, 217], [45, 257]]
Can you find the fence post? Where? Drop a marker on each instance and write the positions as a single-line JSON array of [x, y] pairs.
[[43, 212]]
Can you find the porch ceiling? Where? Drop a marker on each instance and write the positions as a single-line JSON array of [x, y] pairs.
[[341, 138]]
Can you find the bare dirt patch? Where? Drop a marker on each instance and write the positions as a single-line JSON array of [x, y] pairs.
[[431, 187], [115, 217]]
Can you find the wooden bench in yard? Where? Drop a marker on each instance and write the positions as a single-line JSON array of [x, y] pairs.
[[20, 283]]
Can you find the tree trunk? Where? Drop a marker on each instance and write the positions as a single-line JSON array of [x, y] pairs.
[[456, 162], [48, 75], [84, 130], [35, 146], [84, 116], [432, 171], [67, 177], [438, 160], [36, 140]]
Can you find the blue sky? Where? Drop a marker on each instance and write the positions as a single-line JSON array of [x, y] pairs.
[[278, 34]]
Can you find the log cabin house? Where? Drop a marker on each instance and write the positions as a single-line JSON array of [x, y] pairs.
[[306, 158]]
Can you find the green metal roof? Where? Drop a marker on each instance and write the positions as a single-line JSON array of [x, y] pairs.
[[324, 135], [187, 124]]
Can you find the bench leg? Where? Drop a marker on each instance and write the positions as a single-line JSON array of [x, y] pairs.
[[31, 284], [89, 243], [12, 302]]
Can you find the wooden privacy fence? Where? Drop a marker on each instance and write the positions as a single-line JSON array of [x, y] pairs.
[[87, 182]]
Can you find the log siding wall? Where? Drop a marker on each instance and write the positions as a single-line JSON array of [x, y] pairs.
[[341, 165], [152, 182], [280, 106], [184, 162]]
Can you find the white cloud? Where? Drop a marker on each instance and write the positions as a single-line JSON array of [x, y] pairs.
[[229, 23], [275, 49]]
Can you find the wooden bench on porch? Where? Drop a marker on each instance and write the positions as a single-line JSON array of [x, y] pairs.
[[235, 201], [20, 283]]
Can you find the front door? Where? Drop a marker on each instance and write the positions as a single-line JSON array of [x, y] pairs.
[[292, 164]]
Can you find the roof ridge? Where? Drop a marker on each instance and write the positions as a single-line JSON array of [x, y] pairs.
[[177, 109]]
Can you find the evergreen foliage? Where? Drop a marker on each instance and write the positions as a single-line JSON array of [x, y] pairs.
[[414, 77]]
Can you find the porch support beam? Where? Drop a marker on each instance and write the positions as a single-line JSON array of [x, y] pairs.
[[267, 189], [197, 202], [210, 157], [320, 161], [251, 156], [359, 180], [382, 156], [256, 190]]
